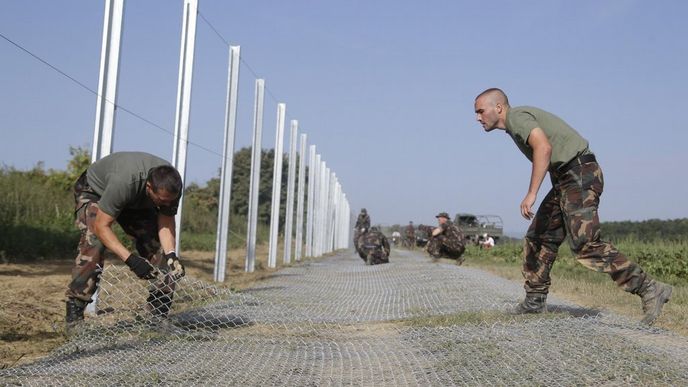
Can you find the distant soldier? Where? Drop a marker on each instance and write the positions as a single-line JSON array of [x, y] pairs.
[[446, 240], [374, 247], [410, 235], [362, 226]]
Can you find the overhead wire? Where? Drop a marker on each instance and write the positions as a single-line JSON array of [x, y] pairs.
[[241, 59], [85, 87]]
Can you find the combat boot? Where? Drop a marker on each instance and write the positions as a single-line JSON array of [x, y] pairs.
[[74, 311], [654, 295], [533, 303]]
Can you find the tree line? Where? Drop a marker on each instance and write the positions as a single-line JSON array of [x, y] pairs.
[[37, 207], [37, 210]]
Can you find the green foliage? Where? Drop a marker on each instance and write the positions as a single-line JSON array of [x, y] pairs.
[[200, 210], [647, 230], [36, 211], [81, 159], [37, 208], [508, 252]]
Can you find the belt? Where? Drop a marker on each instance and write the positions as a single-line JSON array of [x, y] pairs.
[[580, 160]]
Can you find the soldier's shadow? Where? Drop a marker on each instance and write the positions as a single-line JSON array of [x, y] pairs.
[[573, 310]]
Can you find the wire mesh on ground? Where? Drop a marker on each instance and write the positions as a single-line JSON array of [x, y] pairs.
[[339, 322]]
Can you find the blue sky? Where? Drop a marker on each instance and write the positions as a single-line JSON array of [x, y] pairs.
[[384, 89]]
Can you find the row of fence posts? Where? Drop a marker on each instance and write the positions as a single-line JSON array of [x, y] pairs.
[[327, 210]]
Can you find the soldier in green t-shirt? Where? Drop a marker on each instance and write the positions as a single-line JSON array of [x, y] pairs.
[[570, 207], [141, 193]]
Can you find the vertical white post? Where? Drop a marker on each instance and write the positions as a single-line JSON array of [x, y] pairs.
[[311, 199], [299, 198], [227, 164], [276, 186], [342, 221], [255, 177], [347, 225], [326, 210], [181, 121], [317, 183], [330, 212], [337, 215], [322, 207], [289, 218], [106, 100]]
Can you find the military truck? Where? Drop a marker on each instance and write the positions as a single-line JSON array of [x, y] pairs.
[[475, 226]]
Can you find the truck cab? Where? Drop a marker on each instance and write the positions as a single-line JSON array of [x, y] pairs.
[[475, 226]]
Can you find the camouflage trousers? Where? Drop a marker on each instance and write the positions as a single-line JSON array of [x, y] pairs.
[[357, 236], [140, 225], [570, 208], [442, 247]]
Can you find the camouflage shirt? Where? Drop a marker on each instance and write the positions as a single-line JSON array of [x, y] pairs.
[[363, 221], [451, 231]]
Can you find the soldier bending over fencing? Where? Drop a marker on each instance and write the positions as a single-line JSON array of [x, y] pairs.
[[374, 247]]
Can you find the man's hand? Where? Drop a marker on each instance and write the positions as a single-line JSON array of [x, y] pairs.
[[141, 267], [526, 206], [176, 267]]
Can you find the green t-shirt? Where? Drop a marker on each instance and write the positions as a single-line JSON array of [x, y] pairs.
[[566, 143], [120, 181]]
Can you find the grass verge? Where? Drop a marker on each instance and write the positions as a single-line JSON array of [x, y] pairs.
[[572, 281]]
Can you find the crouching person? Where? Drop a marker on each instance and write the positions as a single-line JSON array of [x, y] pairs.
[[141, 193], [446, 240], [374, 247]]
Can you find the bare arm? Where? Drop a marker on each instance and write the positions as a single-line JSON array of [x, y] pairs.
[[103, 230], [436, 231], [542, 152], [166, 232]]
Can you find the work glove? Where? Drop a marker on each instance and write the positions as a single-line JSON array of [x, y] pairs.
[[176, 267], [141, 267]]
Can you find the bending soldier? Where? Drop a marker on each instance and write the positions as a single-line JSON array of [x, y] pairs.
[[410, 235], [141, 193], [374, 247], [446, 240], [570, 207]]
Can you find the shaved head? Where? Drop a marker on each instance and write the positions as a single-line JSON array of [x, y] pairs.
[[491, 107], [494, 96]]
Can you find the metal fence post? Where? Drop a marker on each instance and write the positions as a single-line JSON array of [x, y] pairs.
[[289, 218], [106, 100], [300, 198], [227, 164], [181, 121], [250, 263], [276, 187], [311, 199]]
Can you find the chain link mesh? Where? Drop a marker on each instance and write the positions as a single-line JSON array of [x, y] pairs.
[[339, 322]]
